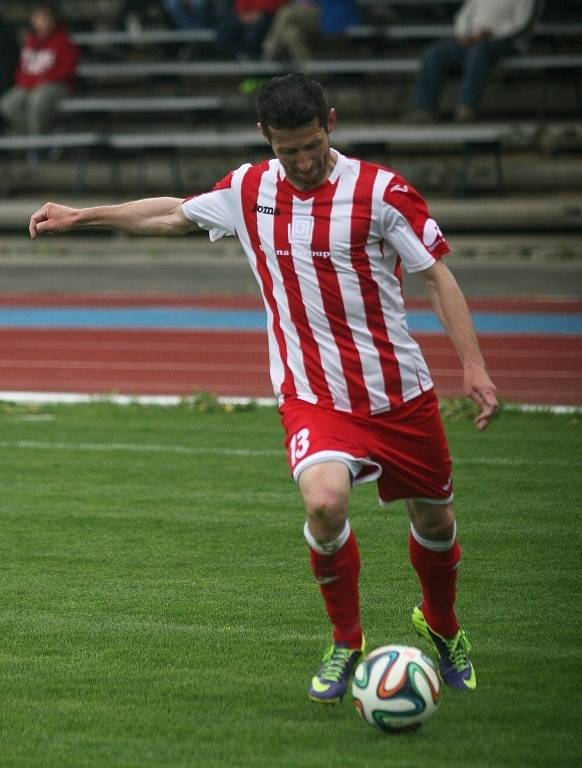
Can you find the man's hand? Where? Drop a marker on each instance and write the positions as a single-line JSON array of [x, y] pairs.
[[478, 37], [249, 17], [478, 386], [451, 309], [52, 219]]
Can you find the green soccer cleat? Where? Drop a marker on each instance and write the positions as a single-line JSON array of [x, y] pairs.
[[454, 663], [330, 683]]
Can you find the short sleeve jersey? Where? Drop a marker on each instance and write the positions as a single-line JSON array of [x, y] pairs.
[[328, 262]]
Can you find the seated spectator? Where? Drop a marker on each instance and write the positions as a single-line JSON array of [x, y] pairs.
[[9, 55], [299, 26], [242, 30], [484, 32], [190, 14], [45, 74], [132, 13]]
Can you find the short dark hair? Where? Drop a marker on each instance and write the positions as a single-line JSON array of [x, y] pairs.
[[50, 7], [292, 101]]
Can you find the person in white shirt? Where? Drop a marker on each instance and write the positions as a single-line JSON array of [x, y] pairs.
[[327, 236], [484, 32]]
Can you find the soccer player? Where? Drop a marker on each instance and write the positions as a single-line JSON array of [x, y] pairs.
[[326, 237]]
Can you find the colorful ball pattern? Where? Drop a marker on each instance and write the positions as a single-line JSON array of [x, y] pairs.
[[396, 687]]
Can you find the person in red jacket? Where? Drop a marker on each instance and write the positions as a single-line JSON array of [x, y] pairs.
[[45, 74], [242, 29]]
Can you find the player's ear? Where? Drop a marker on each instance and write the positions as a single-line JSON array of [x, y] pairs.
[[265, 131], [331, 120]]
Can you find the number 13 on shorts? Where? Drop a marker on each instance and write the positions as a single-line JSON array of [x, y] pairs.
[[298, 446]]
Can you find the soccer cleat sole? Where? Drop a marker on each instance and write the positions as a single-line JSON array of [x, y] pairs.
[[318, 690], [325, 702]]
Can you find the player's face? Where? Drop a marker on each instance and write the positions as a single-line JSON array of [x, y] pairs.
[[43, 22], [303, 152]]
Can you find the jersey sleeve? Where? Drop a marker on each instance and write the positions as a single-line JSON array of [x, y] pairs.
[[409, 228], [214, 210]]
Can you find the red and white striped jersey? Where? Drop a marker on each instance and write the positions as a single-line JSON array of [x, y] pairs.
[[328, 264]]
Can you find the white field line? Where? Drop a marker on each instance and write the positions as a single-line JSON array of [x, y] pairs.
[[193, 451], [66, 398], [135, 448], [71, 398]]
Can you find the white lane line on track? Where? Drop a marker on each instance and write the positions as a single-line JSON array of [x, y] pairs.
[[219, 451], [139, 365]]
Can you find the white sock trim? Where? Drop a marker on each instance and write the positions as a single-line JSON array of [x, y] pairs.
[[435, 546], [327, 547]]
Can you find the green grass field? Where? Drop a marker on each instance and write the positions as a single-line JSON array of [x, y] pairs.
[[157, 607]]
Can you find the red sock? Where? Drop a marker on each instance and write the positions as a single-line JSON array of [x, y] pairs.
[[437, 573], [341, 593]]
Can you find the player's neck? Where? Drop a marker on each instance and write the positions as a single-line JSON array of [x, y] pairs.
[[332, 161], [297, 183]]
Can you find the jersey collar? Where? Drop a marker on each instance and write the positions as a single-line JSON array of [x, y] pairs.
[[331, 179]]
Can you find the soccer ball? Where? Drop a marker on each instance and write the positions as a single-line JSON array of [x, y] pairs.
[[396, 687]]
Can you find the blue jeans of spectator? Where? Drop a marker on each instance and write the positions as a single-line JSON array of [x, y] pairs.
[[446, 57], [188, 15], [243, 40]]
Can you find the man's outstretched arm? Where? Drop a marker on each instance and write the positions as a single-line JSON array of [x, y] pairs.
[[154, 216], [451, 309]]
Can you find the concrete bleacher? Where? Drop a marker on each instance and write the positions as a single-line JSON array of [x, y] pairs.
[[207, 89], [184, 71], [145, 100], [488, 139], [182, 61], [343, 66], [460, 161], [366, 32], [112, 106]]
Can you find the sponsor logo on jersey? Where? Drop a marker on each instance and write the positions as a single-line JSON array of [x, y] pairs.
[[431, 235], [268, 209], [300, 251], [301, 230]]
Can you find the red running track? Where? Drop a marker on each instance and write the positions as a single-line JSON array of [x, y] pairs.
[[540, 369]]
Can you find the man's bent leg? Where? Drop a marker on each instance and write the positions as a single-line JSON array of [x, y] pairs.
[[13, 107], [441, 58], [435, 555], [335, 562], [42, 106], [479, 61], [334, 554]]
